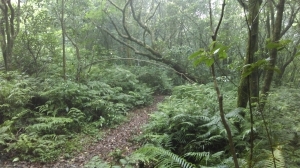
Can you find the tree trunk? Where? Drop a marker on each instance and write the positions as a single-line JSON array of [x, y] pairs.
[[252, 79], [8, 30], [276, 35], [62, 22], [139, 45]]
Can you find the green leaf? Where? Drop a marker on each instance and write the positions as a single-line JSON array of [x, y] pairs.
[[209, 61], [279, 45], [249, 68], [196, 54], [222, 55]]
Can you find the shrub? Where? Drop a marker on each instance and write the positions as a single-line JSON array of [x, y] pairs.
[[39, 117], [188, 125], [157, 78]]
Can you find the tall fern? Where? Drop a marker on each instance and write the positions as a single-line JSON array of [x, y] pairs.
[[163, 158], [269, 161], [188, 125]]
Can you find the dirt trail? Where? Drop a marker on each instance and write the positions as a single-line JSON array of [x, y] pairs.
[[117, 138]]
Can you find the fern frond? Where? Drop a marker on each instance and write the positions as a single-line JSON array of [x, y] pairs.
[[164, 158], [269, 162], [235, 114], [279, 159], [197, 155]]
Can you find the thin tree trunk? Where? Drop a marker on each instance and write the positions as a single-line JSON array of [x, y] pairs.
[[63, 38], [219, 95], [8, 30], [253, 26], [78, 72], [276, 35]]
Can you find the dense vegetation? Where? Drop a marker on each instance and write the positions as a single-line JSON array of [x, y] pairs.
[[69, 69]]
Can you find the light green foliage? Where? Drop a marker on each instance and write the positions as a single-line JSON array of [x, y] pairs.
[[15, 93], [188, 125], [37, 41], [207, 56], [279, 45], [163, 158], [49, 125], [40, 119], [115, 93], [269, 163]]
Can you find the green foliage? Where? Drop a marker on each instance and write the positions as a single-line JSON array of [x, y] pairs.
[[94, 99], [50, 125], [39, 119], [283, 122], [188, 125], [117, 154], [279, 45], [15, 92], [6, 134], [163, 158], [37, 148], [156, 78], [96, 162], [268, 162], [207, 57]]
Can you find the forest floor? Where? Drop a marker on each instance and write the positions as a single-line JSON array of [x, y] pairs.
[[118, 138]]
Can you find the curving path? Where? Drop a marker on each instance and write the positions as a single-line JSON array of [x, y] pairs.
[[117, 138]]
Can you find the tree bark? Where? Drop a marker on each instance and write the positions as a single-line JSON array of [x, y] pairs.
[[79, 66], [146, 46], [252, 48], [62, 22], [276, 35], [219, 95], [8, 30]]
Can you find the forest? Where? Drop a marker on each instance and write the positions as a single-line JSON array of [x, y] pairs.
[[167, 83]]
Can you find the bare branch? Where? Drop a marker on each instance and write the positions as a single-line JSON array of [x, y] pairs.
[[138, 20], [291, 20], [124, 34], [116, 6], [243, 4], [124, 19], [151, 16], [220, 20], [12, 18]]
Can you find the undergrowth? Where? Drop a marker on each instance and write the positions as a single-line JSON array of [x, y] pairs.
[[187, 131], [40, 119]]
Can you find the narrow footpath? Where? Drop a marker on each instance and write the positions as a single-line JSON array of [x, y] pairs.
[[113, 138]]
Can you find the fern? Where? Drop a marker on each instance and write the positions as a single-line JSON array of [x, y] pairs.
[[269, 161], [49, 124], [190, 121], [6, 134], [163, 158]]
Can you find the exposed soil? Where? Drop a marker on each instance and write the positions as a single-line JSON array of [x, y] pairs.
[[117, 138]]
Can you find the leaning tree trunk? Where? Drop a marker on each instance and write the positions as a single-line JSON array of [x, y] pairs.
[[141, 45]]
